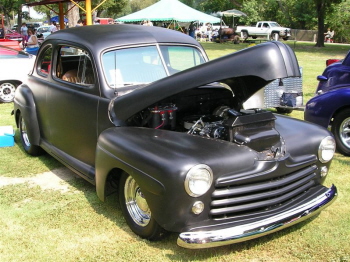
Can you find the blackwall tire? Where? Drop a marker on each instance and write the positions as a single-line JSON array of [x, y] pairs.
[[7, 91], [341, 131], [136, 211], [282, 110], [28, 147], [245, 35]]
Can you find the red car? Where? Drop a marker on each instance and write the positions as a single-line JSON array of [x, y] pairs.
[[13, 35]]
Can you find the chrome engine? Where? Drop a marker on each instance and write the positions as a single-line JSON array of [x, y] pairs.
[[254, 128]]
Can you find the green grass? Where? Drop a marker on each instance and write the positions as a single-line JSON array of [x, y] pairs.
[[49, 225]]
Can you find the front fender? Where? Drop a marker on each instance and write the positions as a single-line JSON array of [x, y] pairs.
[[24, 104], [159, 160], [320, 109]]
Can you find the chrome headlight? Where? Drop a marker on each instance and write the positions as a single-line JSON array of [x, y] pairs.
[[326, 149], [198, 180]]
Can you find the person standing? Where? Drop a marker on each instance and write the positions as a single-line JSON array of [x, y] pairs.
[[192, 30], [24, 33], [53, 27], [2, 32], [79, 23], [32, 44]]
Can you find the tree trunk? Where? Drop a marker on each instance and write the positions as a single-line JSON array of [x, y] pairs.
[[19, 19], [320, 22], [72, 15]]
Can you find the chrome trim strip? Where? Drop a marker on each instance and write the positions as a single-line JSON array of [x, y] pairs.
[[214, 238]]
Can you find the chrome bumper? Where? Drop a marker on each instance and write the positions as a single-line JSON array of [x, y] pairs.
[[214, 238]]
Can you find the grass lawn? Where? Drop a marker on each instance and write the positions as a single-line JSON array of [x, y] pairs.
[[45, 220]]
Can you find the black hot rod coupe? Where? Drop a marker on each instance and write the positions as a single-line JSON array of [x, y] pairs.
[[141, 111]]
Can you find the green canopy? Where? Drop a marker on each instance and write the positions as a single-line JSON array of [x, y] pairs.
[[169, 10]]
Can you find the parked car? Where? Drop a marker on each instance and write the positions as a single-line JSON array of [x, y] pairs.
[[331, 104], [270, 29], [14, 67], [13, 35], [11, 43], [140, 111], [43, 30]]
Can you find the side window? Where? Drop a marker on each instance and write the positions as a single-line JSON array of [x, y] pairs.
[[179, 58], [44, 62], [74, 65]]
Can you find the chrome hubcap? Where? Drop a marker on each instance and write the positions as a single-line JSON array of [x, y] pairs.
[[7, 92], [344, 132], [136, 203], [24, 133]]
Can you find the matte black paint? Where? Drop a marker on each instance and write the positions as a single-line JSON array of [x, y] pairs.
[[72, 124]]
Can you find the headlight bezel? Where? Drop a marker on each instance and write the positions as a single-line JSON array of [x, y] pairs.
[[326, 149], [195, 174]]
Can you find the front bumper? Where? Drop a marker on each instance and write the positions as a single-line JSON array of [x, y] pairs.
[[214, 238]]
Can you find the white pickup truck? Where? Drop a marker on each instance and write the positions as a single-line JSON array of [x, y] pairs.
[[269, 29]]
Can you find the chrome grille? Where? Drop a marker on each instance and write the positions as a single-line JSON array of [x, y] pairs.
[[236, 200]]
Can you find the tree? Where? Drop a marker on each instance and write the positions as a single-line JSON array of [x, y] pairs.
[[339, 21], [137, 5], [73, 15], [9, 6], [322, 6]]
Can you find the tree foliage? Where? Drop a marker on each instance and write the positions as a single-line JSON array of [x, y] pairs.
[[296, 14]]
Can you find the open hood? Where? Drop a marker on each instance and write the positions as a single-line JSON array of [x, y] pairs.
[[245, 72]]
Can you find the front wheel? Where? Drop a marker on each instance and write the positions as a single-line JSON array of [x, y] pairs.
[[136, 210], [275, 36], [28, 147], [341, 131], [7, 91]]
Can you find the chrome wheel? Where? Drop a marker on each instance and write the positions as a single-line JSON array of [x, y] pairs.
[[24, 133], [136, 203], [275, 36], [344, 132], [7, 92], [341, 131]]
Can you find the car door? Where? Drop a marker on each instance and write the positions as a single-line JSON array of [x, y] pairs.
[[72, 102], [264, 29]]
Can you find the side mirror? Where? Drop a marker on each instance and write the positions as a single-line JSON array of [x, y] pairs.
[[322, 78]]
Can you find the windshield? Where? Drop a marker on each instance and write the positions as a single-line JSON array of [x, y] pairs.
[[143, 65], [43, 29], [274, 24]]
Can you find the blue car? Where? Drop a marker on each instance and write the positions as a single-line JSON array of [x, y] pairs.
[[331, 104]]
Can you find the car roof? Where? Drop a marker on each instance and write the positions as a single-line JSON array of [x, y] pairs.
[[99, 37]]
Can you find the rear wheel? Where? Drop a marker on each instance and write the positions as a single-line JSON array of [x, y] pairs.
[[245, 35], [136, 210], [341, 131], [7, 91], [28, 147]]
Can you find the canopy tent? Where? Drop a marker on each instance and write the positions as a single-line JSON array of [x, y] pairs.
[[169, 10], [57, 19], [232, 13]]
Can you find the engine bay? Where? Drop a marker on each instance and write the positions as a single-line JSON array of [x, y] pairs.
[[215, 113]]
